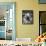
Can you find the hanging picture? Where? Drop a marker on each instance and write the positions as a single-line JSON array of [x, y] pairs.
[[27, 17]]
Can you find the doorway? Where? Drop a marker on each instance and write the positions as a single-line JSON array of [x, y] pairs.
[[7, 21]]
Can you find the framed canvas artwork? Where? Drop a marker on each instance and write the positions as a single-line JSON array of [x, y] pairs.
[[27, 17]]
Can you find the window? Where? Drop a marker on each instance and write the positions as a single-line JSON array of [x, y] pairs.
[[7, 21], [42, 1], [42, 22]]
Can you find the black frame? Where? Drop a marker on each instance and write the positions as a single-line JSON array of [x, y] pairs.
[[39, 20], [41, 2], [27, 11]]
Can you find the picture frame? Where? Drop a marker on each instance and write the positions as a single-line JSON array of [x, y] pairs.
[[42, 1], [27, 16]]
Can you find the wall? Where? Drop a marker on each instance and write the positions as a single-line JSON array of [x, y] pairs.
[[28, 31]]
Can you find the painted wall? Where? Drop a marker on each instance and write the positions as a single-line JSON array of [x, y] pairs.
[[28, 31]]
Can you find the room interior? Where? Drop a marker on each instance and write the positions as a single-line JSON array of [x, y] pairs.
[[22, 31]]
